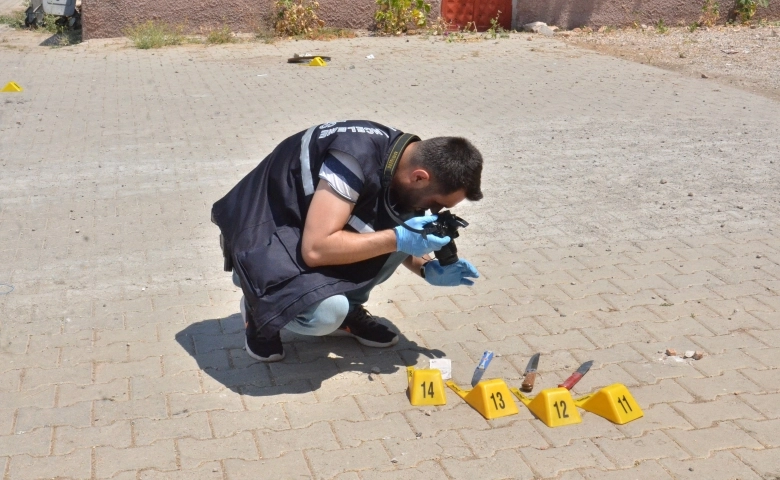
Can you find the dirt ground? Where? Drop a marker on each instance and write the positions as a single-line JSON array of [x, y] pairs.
[[746, 57]]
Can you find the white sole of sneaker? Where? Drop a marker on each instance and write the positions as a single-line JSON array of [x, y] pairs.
[[273, 358], [343, 333]]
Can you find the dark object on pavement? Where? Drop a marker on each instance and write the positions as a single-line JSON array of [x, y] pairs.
[[446, 226], [575, 377], [529, 377], [481, 367]]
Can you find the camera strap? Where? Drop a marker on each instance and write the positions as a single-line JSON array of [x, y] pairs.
[[391, 165]]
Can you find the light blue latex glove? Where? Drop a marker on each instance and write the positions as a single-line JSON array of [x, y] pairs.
[[413, 243], [452, 275]]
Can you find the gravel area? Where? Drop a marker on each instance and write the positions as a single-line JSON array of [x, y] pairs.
[[746, 57]]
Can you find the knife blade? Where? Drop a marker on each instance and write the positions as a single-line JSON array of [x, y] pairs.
[[575, 377], [481, 366], [530, 373]]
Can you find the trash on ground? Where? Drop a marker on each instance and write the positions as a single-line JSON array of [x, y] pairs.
[[370, 56], [444, 365], [306, 58]]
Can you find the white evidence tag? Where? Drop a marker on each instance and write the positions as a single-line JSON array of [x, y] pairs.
[[444, 365]]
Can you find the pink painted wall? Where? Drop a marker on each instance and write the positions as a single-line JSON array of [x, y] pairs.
[[109, 18]]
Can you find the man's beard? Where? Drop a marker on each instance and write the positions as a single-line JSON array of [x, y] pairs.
[[409, 199]]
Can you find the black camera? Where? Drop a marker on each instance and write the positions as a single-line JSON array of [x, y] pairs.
[[446, 225]]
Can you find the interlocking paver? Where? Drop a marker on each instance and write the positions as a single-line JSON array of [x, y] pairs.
[[134, 316], [718, 465], [653, 445], [702, 442], [109, 460], [77, 464], [196, 451], [327, 464], [290, 465], [705, 414], [506, 463], [428, 470], [67, 438], [318, 435]]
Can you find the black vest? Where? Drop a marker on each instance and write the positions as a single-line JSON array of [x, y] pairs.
[[262, 219]]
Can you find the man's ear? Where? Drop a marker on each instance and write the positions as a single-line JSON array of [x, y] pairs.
[[420, 175]]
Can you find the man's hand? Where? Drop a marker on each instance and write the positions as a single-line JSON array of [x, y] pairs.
[[413, 243], [452, 275]]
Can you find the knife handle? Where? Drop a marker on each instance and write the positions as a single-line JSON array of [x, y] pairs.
[[571, 381], [528, 382]]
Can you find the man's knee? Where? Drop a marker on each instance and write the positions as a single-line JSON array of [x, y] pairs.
[[321, 318]]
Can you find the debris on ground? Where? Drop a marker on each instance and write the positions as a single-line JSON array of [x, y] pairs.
[[680, 357], [538, 27]]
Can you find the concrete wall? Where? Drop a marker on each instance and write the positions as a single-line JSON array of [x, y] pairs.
[[109, 18], [595, 13]]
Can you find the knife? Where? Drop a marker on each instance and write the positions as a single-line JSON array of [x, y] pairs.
[[481, 366], [530, 373], [575, 377]]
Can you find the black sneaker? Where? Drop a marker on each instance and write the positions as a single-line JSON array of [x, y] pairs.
[[257, 347], [360, 325], [265, 350]]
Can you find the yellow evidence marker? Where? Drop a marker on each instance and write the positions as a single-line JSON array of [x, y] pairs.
[[615, 403], [553, 406], [426, 387], [11, 87], [491, 398], [318, 62]]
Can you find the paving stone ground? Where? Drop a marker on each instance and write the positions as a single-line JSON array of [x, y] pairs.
[[627, 210]]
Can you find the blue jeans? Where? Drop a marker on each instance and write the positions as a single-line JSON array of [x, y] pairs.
[[326, 316]]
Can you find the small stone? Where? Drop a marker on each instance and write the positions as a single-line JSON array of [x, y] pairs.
[[690, 469], [563, 314], [758, 256], [690, 194], [698, 355], [704, 76], [375, 370], [689, 354], [389, 300], [77, 231], [740, 207], [663, 182], [670, 352], [555, 308], [418, 434], [427, 413], [580, 244], [394, 460]]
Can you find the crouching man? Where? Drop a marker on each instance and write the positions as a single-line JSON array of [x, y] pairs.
[[318, 224]]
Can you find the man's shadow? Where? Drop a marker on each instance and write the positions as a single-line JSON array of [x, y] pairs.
[[218, 347]]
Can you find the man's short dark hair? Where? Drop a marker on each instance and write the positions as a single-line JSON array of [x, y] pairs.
[[454, 164]]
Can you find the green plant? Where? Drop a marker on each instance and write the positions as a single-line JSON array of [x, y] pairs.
[[14, 20], [496, 30], [693, 27], [710, 12], [393, 17], [745, 9], [220, 35], [154, 34], [661, 27], [439, 27], [297, 17]]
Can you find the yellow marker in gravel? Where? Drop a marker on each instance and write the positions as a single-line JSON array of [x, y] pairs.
[[426, 387], [11, 87]]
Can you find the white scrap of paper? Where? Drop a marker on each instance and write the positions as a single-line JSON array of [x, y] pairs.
[[444, 365], [370, 57]]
